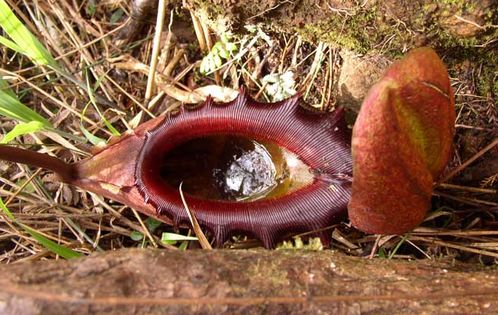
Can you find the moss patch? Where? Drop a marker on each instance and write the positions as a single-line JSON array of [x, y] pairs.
[[383, 26]]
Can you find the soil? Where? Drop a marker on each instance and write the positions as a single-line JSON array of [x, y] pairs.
[[367, 26]]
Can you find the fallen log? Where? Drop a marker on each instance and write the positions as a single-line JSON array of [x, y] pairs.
[[244, 282]]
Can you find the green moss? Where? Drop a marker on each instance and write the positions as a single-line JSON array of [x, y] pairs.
[[453, 2], [273, 273], [370, 29], [353, 32], [488, 77], [365, 31], [459, 5], [297, 243], [210, 9]]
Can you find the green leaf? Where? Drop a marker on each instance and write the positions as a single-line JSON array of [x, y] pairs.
[[136, 236], [382, 253], [9, 44], [90, 92], [203, 68], [395, 250], [217, 61], [168, 237], [22, 129], [231, 47], [28, 188], [51, 245], [27, 44], [5, 88], [152, 224], [183, 246], [116, 16], [216, 48], [11, 107], [91, 8], [92, 138], [45, 242], [6, 211], [223, 53], [24, 42]]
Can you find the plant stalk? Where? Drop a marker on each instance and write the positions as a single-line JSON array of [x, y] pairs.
[[65, 171]]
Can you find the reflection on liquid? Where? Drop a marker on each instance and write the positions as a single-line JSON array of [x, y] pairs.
[[234, 168]]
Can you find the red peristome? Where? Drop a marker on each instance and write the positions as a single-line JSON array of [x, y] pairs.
[[319, 139], [401, 143]]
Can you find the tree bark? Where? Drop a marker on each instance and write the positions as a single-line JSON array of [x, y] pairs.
[[244, 282]]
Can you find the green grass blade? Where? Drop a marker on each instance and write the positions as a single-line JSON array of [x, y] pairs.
[[167, 237], [45, 242], [4, 87], [88, 135], [91, 94], [9, 44], [51, 245], [27, 43], [22, 129], [91, 137], [11, 107], [6, 211], [24, 42]]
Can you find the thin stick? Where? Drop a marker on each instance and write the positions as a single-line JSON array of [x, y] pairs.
[[197, 229], [199, 33], [470, 189], [467, 163], [66, 171], [374, 248], [28, 181], [145, 230], [455, 246], [470, 201], [161, 11]]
